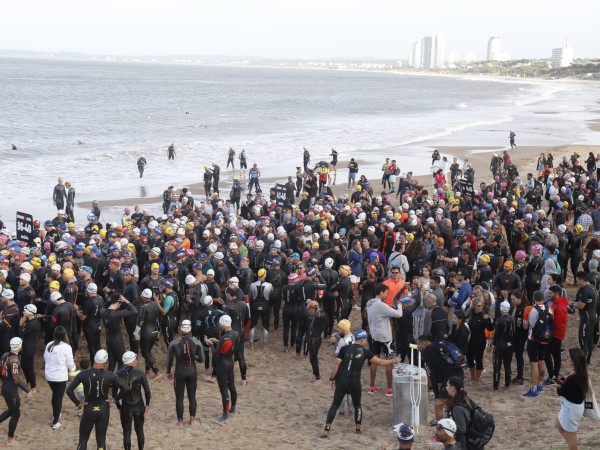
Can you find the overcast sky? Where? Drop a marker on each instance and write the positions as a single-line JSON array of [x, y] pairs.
[[297, 29]]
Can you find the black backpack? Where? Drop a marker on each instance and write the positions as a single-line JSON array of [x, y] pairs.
[[543, 329], [481, 428], [451, 354]]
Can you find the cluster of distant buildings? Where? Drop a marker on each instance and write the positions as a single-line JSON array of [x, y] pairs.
[[430, 53]]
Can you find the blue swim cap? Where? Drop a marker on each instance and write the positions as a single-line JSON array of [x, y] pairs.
[[360, 335]]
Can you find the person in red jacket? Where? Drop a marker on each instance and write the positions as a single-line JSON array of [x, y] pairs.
[[559, 305]]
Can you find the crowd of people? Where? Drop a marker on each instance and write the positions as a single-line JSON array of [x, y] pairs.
[[480, 268]]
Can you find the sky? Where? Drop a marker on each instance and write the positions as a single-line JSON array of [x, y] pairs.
[[290, 29]]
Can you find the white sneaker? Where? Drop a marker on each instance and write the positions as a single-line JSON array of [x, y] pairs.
[[56, 426]]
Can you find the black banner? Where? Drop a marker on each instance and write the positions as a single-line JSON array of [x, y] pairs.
[[467, 188], [280, 195], [25, 227]]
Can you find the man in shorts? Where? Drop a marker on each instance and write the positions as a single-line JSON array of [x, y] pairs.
[[536, 351], [380, 329], [352, 171]]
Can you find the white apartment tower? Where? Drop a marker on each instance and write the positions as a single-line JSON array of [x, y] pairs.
[[416, 55], [494, 49], [563, 56], [433, 49]]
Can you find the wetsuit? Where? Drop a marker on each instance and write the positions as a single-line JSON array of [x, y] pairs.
[[10, 391], [290, 315], [132, 405], [520, 339], [216, 177], [186, 350], [347, 379], [504, 332], [278, 279], [304, 321], [587, 319], [331, 278], [62, 316], [240, 316], [9, 326], [439, 370], [97, 384], [91, 325], [168, 322], [114, 335], [477, 325], [29, 333], [260, 292], [209, 327], [243, 162], [59, 195], [344, 307], [131, 293], [230, 159], [228, 342], [171, 152], [315, 338], [208, 176], [148, 324]]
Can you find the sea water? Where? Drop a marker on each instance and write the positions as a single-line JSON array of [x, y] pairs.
[[124, 110]]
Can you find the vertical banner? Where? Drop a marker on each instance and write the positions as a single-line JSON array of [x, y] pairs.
[[281, 195], [25, 227]]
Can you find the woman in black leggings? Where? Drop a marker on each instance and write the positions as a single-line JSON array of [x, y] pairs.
[[58, 357], [478, 323]]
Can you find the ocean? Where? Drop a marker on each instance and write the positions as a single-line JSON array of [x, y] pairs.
[[124, 110]]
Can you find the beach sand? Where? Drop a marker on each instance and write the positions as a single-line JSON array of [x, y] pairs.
[[281, 408]]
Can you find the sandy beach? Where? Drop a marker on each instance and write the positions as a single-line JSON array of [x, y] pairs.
[[281, 408]]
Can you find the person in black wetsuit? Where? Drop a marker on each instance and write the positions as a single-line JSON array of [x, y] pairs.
[[29, 327], [171, 152], [208, 178], [131, 293], [147, 330], [230, 158], [290, 312], [227, 343], [260, 293], [341, 291], [186, 351], [278, 279], [88, 312], [345, 377], [208, 328], [112, 313], [315, 335], [239, 312], [97, 383], [11, 382], [502, 343], [9, 325], [331, 277], [216, 175], [59, 195], [132, 406]]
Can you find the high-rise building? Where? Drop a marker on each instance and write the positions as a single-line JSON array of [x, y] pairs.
[[563, 56], [433, 49], [416, 55], [494, 49]]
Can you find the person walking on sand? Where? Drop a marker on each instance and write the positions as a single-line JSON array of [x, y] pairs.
[[230, 158], [185, 351], [11, 382], [141, 163], [171, 151], [345, 377], [59, 195], [306, 158], [352, 171], [70, 201], [511, 137]]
